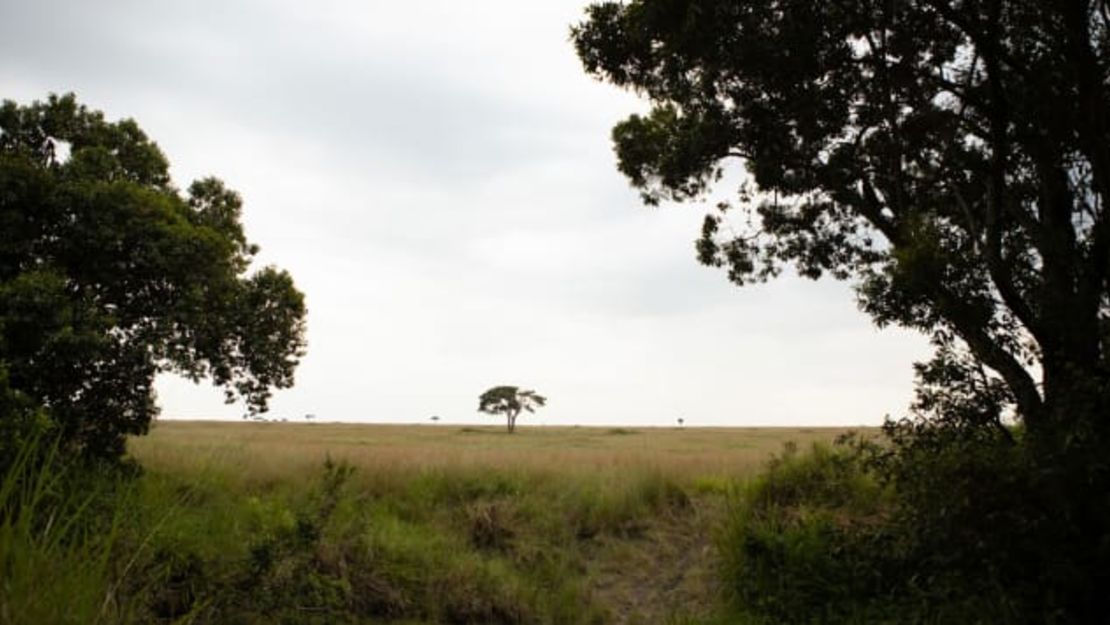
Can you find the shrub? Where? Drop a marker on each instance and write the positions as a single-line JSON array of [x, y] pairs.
[[990, 534], [937, 525], [801, 541]]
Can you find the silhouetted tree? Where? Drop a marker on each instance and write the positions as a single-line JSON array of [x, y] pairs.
[[509, 401], [949, 158], [109, 275], [952, 159]]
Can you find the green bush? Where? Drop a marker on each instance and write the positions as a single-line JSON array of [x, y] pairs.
[[991, 533], [801, 541], [935, 525]]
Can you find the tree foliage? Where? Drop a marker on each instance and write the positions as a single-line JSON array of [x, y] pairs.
[[951, 159], [509, 401], [110, 275]]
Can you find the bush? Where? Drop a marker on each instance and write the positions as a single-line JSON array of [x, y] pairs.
[[936, 525], [989, 531], [800, 545]]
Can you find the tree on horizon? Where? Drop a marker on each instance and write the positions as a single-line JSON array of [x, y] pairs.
[[509, 401]]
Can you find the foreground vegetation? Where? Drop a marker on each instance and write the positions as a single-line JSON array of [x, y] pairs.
[[950, 161], [276, 523], [282, 523]]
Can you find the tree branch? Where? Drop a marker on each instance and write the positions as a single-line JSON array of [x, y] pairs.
[[986, 349]]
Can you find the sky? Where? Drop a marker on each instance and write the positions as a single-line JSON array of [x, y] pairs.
[[438, 178]]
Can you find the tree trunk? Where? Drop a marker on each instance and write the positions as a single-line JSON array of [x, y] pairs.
[[1075, 411], [1072, 474]]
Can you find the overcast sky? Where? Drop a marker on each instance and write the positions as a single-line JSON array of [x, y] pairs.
[[438, 178]]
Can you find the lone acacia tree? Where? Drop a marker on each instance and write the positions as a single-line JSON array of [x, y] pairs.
[[950, 158], [110, 275], [509, 401]]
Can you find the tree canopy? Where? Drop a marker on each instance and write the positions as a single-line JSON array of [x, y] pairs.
[[950, 158], [109, 275], [509, 401]]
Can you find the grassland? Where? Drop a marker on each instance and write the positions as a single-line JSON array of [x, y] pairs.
[[335, 523], [278, 451]]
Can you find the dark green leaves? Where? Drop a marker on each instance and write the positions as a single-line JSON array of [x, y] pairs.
[[509, 401], [671, 156], [108, 276], [950, 159]]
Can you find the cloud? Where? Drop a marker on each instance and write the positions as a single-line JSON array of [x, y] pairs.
[[438, 178]]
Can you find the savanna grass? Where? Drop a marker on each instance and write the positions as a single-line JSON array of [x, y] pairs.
[[267, 523], [57, 538]]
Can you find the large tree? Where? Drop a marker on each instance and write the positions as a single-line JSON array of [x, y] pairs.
[[951, 158], [109, 275]]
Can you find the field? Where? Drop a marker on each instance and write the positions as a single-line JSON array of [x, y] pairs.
[[627, 514], [272, 451], [337, 523]]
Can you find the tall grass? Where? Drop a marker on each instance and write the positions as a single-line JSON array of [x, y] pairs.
[[283, 452], [316, 524], [468, 546], [56, 543]]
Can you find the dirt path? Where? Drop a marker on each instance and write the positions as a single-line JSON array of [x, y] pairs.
[[664, 571]]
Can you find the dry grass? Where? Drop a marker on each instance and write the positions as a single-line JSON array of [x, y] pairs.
[[270, 452]]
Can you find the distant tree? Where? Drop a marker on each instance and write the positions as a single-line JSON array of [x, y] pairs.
[[435, 418], [509, 401], [681, 421], [109, 274], [309, 417]]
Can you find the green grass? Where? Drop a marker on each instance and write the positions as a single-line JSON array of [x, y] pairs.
[[57, 541], [281, 523]]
